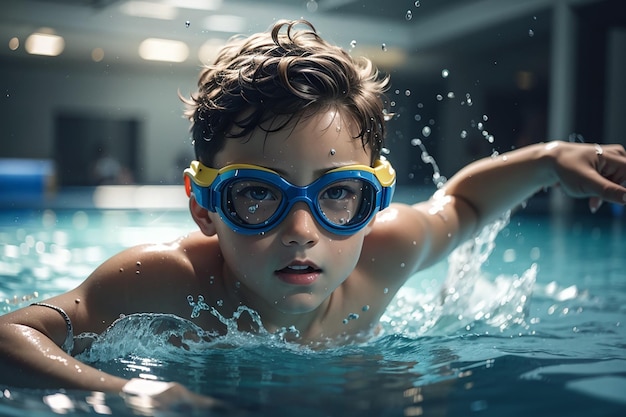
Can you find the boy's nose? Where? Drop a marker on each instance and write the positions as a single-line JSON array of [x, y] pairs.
[[300, 227]]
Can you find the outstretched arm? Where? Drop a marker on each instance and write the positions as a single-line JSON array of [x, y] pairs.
[[494, 185], [484, 190]]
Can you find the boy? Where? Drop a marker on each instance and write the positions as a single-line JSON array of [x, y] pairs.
[[291, 197]]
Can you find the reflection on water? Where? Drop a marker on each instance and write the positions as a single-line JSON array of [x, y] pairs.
[[539, 313]]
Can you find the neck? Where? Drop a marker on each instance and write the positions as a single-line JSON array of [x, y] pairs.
[[272, 318]]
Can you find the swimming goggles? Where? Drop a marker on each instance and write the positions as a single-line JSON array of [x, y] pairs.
[[252, 199]]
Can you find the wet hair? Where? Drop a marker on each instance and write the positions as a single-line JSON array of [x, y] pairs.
[[274, 78]]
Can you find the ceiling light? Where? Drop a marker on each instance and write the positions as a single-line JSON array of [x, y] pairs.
[[153, 49], [195, 4], [225, 23], [208, 51], [151, 10], [14, 43], [97, 54], [47, 44]]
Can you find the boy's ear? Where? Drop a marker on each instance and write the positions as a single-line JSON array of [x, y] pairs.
[[201, 217]]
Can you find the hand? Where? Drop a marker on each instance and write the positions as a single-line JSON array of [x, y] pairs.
[[147, 396], [591, 170]]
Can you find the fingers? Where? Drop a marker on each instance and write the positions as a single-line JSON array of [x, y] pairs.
[[612, 170], [595, 203], [595, 171], [148, 396]]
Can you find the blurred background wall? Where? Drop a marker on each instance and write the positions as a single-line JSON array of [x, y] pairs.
[[469, 77]]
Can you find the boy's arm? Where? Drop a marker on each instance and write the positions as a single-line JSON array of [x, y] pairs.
[[495, 185], [29, 358], [484, 190], [30, 338]]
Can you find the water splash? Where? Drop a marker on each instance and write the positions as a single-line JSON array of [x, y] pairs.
[[469, 298], [438, 179]]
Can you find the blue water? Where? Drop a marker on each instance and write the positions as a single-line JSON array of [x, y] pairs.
[[531, 326]]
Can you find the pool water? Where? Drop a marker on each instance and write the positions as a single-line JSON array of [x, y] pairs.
[[528, 320]]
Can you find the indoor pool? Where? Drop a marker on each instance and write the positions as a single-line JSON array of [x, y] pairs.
[[534, 325]]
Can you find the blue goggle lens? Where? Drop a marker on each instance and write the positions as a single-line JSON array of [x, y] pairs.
[[341, 204], [254, 199]]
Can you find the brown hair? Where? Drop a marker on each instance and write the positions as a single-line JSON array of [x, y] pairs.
[[283, 73]]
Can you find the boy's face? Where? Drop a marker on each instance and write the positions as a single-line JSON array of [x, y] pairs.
[[294, 267]]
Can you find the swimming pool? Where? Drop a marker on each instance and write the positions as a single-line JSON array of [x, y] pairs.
[[535, 329]]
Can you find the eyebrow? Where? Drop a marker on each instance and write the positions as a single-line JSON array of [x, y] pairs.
[[318, 173]]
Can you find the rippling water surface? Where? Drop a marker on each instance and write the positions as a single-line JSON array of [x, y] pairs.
[[528, 319]]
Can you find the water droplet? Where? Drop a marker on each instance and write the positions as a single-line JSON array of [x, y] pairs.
[[485, 117], [417, 3], [386, 290], [333, 151], [416, 142], [253, 209], [220, 302], [351, 316], [531, 33], [439, 97], [407, 93], [418, 117], [445, 73], [353, 43], [365, 307], [187, 23], [311, 5], [463, 134], [426, 131], [138, 263], [409, 15], [384, 47], [451, 94]]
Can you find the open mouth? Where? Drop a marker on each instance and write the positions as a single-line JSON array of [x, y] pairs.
[[299, 274], [299, 269]]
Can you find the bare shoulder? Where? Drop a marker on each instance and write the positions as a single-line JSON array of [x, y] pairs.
[[407, 238], [394, 249], [152, 271], [151, 278]]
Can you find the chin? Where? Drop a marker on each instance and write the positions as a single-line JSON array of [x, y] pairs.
[[299, 303]]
